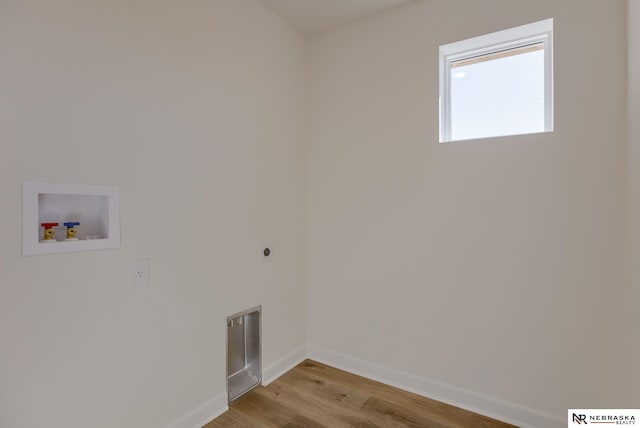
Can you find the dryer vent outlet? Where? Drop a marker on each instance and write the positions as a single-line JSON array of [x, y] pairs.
[[244, 352]]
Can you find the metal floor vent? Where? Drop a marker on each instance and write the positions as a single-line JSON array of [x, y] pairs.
[[244, 359]]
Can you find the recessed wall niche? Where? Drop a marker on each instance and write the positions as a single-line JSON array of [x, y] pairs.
[[95, 208]]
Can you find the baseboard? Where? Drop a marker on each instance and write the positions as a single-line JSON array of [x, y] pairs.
[[478, 403], [203, 414], [283, 365]]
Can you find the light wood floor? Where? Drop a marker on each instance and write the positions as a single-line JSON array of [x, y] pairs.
[[313, 395]]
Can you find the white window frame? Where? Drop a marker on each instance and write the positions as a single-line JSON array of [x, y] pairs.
[[537, 32]]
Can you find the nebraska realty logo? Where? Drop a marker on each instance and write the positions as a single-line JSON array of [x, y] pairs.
[[603, 417]]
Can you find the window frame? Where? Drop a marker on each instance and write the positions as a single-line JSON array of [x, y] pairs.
[[513, 38]]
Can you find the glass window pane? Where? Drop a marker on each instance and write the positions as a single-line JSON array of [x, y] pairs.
[[498, 95]]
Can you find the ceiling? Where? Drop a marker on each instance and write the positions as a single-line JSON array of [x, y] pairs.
[[312, 17]]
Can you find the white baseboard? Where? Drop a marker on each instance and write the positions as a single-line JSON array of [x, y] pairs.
[[283, 365], [468, 400], [203, 414]]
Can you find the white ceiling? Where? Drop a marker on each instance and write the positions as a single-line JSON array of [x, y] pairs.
[[315, 16]]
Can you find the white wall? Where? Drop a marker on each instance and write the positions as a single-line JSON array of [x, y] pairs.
[[633, 48], [492, 270], [194, 109], [492, 267]]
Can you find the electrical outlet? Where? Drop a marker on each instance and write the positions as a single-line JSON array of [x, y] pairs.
[[266, 252], [139, 272]]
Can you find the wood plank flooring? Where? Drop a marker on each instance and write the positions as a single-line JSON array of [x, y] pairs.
[[314, 395]]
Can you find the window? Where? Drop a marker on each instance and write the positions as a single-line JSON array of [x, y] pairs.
[[498, 84]]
